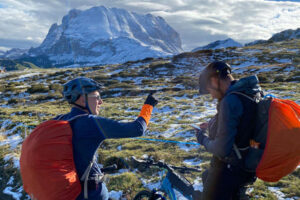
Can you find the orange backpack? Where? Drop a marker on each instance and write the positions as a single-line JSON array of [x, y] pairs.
[[47, 165], [275, 146]]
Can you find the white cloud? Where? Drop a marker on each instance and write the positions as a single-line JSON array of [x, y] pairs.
[[146, 5], [197, 21]]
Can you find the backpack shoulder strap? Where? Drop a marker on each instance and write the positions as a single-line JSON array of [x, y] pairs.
[[60, 117], [77, 116], [253, 100], [244, 95]]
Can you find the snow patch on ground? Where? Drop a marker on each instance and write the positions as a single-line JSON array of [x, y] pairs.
[[15, 158], [192, 162], [277, 192], [280, 195], [11, 181], [16, 195], [12, 140], [28, 75], [151, 185], [198, 185], [6, 123], [171, 131], [187, 147], [267, 69], [283, 60], [115, 195]]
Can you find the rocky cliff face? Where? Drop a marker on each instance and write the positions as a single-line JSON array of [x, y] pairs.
[[108, 35]]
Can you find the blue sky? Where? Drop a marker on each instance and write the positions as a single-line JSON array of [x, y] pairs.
[[26, 23]]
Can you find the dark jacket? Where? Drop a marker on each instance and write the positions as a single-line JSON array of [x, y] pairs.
[[232, 120], [88, 133]]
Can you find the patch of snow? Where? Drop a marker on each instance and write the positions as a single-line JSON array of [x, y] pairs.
[[198, 185], [15, 159], [15, 195], [192, 162], [186, 147], [165, 109], [115, 195], [114, 72], [11, 181], [22, 86], [267, 69], [28, 75], [275, 190], [6, 123], [145, 156], [13, 141], [240, 63], [253, 51], [130, 110], [289, 69], [280, 195], [151, 185], [186, 134], [284, 60]]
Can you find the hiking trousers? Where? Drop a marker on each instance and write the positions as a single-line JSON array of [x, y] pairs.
[[223, 181]]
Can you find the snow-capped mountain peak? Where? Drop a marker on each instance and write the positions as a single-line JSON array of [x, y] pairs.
[[108, 35], [219, 44]]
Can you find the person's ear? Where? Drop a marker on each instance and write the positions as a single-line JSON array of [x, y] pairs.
[[214, 82], [81, 100]]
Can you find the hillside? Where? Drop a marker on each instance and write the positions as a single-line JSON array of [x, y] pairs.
[[11, 65], [31, 96]]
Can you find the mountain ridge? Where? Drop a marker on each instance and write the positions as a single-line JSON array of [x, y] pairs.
[[229, 42], [100, 34], [278, 37]]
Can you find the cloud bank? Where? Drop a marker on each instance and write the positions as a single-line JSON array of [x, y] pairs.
[[25, 23]]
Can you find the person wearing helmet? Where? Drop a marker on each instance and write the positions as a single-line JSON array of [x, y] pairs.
[[229, 131], [89, 131]]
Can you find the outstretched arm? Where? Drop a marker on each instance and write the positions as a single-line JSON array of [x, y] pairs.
[[115, 129]]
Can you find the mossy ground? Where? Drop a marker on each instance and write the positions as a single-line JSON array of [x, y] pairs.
[[126, 87]]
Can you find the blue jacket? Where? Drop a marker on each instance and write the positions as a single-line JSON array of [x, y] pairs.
[[88, 133], [229, 117]]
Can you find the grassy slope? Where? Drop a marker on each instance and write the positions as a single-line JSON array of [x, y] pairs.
[[179, 106]]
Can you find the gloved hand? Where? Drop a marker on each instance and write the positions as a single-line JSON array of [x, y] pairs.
[[151, 100], [200, 136]]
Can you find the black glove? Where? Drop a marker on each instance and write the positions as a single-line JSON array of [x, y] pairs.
[[200, 136], [151, 100]]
